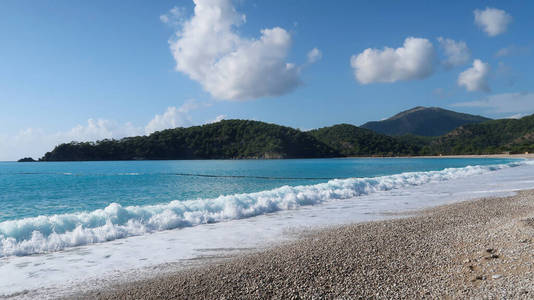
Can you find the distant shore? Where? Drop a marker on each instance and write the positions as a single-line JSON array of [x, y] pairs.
[[528, 156], [470, 249], [511, 156]]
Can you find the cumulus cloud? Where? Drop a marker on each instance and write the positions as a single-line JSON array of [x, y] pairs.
[[516, 116], [35, 142], [492, 20], [208, 49], [457, 53], [476, 77], [514, 104], [414, 60], [314, 55], [27, 142], [217, 119], [99, 129], [174, 117]]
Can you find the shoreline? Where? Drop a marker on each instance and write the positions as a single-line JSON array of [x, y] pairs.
[[509, 156], [525, 155], [468, 249]]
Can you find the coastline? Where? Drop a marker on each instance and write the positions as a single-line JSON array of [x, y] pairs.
[[508, 156], [526, 156], [87, 266], [469, 249]]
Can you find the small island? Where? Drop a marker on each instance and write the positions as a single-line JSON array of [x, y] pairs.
[[26, 159]]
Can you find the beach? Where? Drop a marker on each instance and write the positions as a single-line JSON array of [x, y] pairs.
[[227, 149], [478, 248], [324, 239], [503, 155]]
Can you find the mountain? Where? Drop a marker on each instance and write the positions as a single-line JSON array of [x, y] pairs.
[[497, 136], [227, 139], [237, 139], [423, 121], [350, 140]]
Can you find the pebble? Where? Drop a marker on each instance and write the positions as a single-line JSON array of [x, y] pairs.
[[403, 258]]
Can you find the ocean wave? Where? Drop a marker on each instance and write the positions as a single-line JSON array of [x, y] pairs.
[[53, 233]]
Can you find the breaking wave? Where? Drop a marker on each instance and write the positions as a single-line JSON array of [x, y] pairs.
[[53, 233]]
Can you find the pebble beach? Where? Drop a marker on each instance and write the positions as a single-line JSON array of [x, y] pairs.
[[474, 249]]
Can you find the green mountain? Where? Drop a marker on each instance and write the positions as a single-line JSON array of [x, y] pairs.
[[350, 140], [236, 139], [230, 139], [497, 136], [423, 121]]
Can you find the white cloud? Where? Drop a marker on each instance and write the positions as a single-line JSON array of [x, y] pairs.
[[476, 77], [209, 50], [35, 142], [516, 116], [457, 52], [506, 103], [98, 129], [28, 142], [414, 60], [493, 21], [217, 119], [314, 55], [174, 117]]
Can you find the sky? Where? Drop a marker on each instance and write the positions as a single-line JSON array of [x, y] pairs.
[[73, 70]]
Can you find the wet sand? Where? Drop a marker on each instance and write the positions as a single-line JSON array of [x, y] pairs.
[[473, 249]]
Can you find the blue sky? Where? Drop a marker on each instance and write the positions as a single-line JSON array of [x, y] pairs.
[[86, 70]]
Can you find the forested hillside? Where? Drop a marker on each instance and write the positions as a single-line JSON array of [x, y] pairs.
[[505, 135], [350, 140], [423, 121], [239, 139], [231, 139]]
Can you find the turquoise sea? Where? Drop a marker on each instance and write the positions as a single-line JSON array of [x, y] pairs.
[[55, 205]]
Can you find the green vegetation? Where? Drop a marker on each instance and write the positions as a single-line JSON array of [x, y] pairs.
[[238, 139], [498, 136], [230, 139], [423, 121], [350, 140], [26, 159]]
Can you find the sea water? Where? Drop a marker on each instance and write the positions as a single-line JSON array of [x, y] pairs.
[[60, 219], [49, 206]]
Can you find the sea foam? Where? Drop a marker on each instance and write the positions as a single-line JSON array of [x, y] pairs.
[[53, 233]]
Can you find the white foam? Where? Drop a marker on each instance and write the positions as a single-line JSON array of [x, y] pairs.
[[62, 272], [45, 234]]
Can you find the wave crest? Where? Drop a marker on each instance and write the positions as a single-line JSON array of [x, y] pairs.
[[52, 233]]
